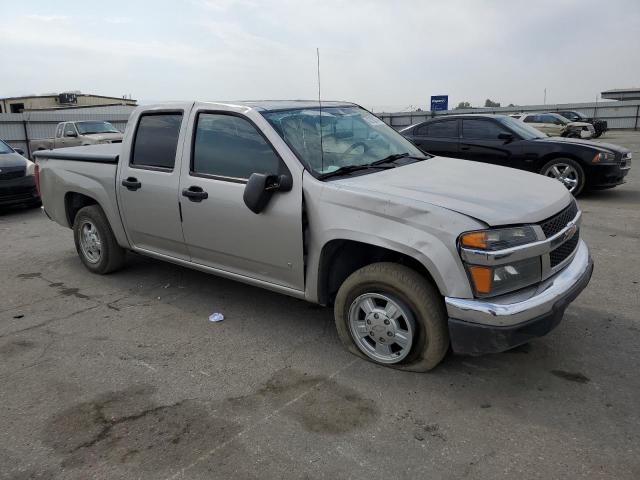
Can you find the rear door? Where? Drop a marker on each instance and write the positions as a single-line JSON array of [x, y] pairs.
[[438, 138], [479, 141], [148, 180], [225, 147]]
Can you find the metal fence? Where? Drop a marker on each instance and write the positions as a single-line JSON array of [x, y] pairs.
[[17, 129], [618, 114]]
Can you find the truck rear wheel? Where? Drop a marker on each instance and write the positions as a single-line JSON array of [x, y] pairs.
[[389, 314], [95, 243]]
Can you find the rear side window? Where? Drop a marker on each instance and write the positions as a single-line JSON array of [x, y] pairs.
[[446, 129], [422, 130], [230, 146], [532, 119], [481, 129], [156, 141]]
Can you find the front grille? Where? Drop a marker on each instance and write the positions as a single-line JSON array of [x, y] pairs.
[[556, 223], [11, 174], [561, 253]]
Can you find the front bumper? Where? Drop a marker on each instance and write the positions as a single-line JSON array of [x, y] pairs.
[[479, 326], [18, 190], [604, 176]]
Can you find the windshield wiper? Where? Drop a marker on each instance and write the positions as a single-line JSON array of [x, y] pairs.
[[353, 168], [396, 156]]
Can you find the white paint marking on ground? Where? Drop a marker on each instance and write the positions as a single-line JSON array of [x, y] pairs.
[[180, 474]]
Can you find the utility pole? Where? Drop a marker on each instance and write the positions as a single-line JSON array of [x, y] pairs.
[[545, 96]]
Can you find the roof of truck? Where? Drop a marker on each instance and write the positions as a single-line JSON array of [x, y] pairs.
[[273, 105]]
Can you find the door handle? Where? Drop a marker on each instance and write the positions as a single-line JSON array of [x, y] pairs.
[[131, 183], [195, 194], [465, 148]]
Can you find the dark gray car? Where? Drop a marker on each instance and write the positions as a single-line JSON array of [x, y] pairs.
[[17, 178]]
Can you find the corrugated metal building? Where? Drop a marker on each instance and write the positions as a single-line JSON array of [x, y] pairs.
[[59, 101]]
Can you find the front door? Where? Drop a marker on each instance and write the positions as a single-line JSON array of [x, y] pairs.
[[225, 148], [148, 183], [70, 136]]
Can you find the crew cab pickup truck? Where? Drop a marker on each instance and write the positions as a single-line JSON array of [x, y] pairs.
[[416, 253], [72, 134]]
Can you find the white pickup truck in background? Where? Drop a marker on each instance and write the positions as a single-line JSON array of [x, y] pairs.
[[416, 253]]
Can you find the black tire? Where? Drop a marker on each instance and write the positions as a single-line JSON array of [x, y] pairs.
[[597, 134], [112, 255], [581, 177], [431, 339]]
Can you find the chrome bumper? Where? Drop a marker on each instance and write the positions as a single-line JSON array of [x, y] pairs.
[[535, 302]]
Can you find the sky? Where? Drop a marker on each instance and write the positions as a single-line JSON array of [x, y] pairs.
[[385, 55]]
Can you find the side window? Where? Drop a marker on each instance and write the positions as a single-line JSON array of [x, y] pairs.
[[422, 130], [445, 129], [549, 119], [156, 140], [230, 146], [69, 129], [481, 129], [59, 130], [531, 119]]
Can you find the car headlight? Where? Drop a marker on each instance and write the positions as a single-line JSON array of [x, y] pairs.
[[31, 168], [491, 280], [604, 157], [498, 239]]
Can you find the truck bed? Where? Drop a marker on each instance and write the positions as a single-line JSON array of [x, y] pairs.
[[107, 153]]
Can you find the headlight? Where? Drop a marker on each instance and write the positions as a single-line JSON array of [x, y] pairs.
[[493, 280], [504, 278], [498, 239], [31, 168], [606, 157]]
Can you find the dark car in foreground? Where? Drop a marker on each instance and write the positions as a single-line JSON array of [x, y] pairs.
[[502, 140], [17, 182], [600, 126]]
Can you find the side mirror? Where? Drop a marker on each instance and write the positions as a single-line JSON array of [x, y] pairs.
[[261, 187], [70, 134], [20, 151], [507, 137]]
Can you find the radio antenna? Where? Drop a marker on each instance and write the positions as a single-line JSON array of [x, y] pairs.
[[320, 106]]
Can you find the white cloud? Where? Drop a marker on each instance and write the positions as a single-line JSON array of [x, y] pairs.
[[47, 18]]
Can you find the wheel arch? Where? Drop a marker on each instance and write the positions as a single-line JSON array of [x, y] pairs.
[[340, 257]]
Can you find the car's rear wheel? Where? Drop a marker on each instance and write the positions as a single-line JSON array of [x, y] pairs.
[[568, 172], [391, 315], [95, 243]]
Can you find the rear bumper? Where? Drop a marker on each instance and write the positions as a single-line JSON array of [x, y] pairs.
[[18, 190], [481, 326]]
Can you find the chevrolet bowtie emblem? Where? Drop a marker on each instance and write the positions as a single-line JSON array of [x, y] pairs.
[[571, 231]]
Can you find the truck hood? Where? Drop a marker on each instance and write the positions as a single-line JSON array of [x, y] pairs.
[[492, 194], [12, 160], [105, 136]]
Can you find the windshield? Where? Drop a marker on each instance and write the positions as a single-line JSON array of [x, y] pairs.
[[95, 127], [350, 136], [526, 132], [4, 148]]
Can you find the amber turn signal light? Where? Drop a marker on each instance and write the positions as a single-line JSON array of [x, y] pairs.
[[481, 277], [474, 240]]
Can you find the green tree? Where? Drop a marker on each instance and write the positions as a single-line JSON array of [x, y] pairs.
[[490, 103], [463, 105]]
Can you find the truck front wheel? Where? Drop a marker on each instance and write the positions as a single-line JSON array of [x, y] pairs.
[[95, 243], [390, 314]]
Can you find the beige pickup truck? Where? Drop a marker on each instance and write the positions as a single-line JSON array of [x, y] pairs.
[[74, 134]]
